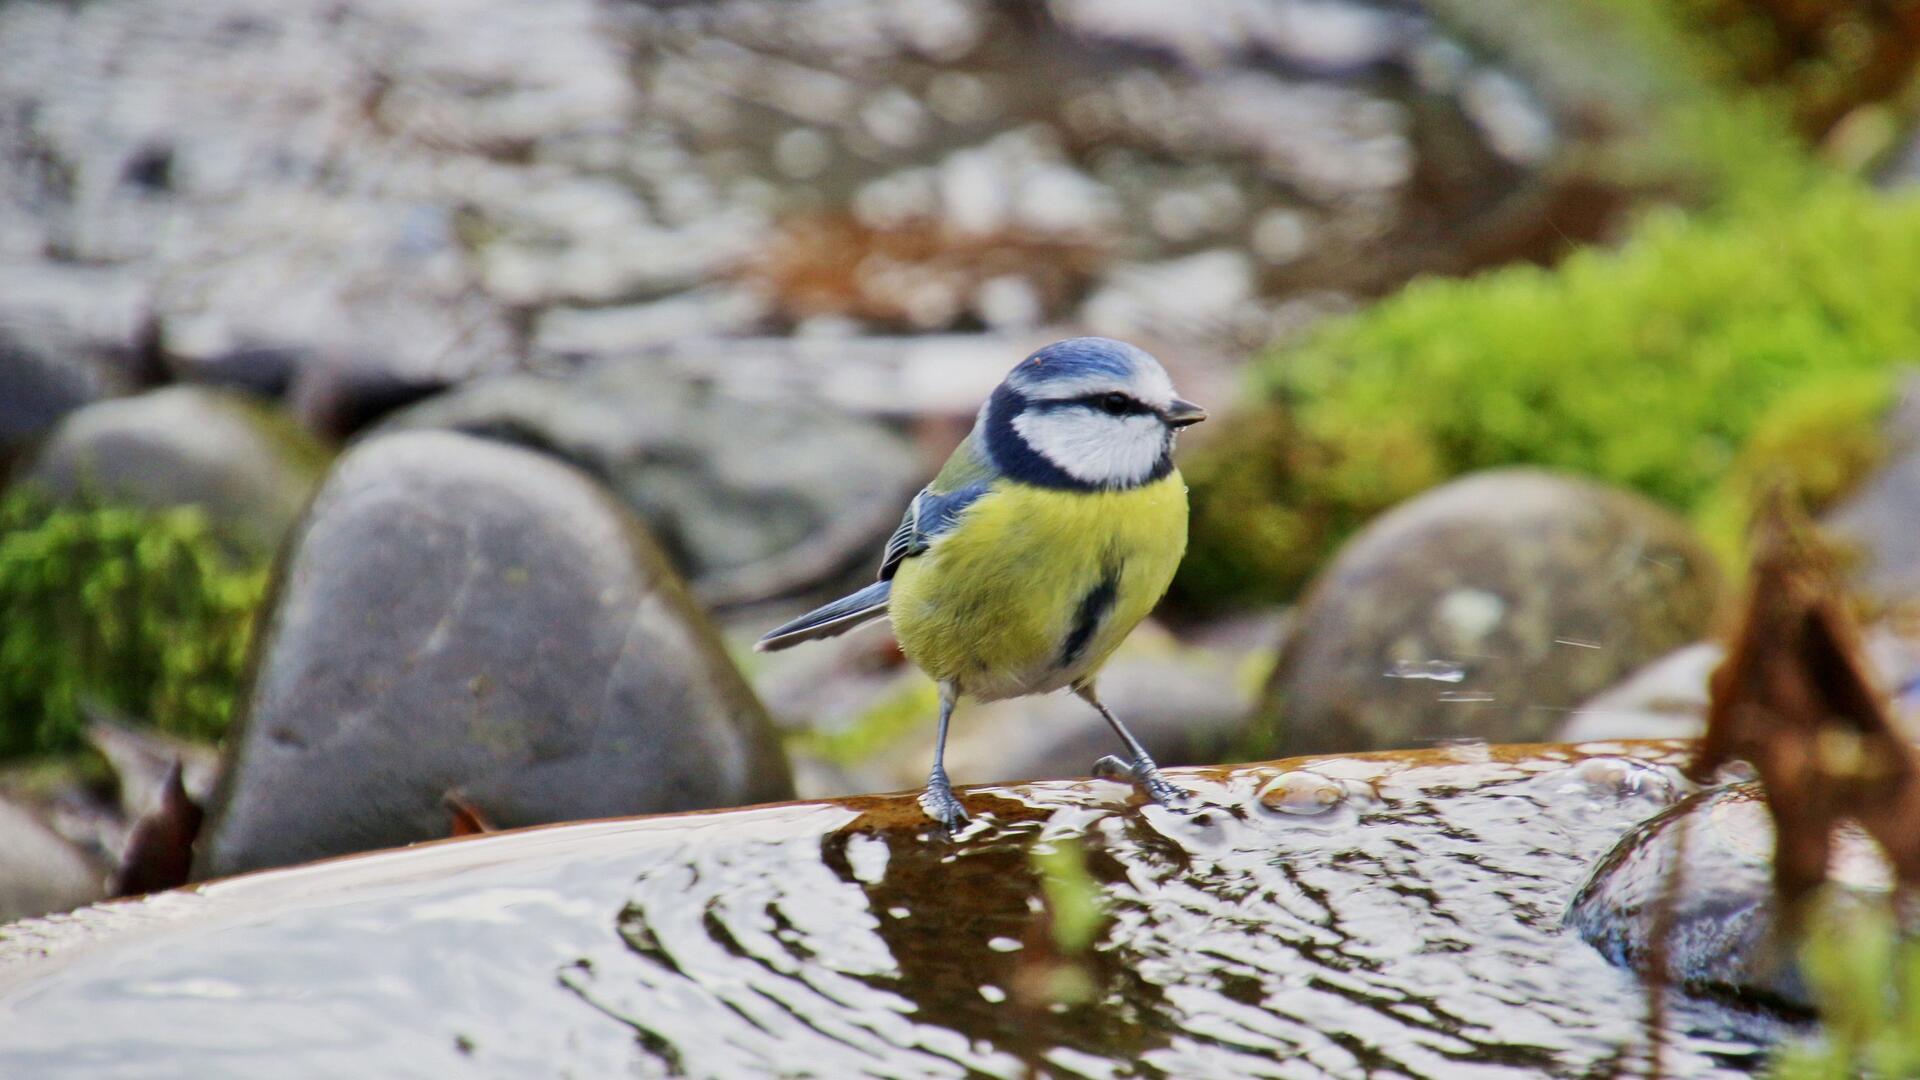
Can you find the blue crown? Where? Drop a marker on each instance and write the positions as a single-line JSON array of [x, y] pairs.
[[1080, 357]]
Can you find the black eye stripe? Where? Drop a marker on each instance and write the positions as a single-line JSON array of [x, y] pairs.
[[1112, 403]]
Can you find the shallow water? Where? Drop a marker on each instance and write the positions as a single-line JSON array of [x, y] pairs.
[[1383, 915]]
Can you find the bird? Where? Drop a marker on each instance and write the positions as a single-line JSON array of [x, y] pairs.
[[1051, 531]]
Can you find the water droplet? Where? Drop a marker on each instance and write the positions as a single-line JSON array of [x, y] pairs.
[[1302, 792]]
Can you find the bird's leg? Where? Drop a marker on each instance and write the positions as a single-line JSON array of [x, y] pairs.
[[1141, 772], [938, 800]]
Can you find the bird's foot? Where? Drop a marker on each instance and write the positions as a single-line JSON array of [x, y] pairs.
[[942, 805], [1145, 776]]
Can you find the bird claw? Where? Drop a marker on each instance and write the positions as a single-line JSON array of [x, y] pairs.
[[940, 804], [1145, 776]]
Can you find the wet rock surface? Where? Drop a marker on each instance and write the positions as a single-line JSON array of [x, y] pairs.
[[248, 468], [1408, 923], [423, 190], [727, 478], [1487, 608], [457, 615], [1714, 851]]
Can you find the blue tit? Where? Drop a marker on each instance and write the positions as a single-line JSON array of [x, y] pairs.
[[1049, 534]]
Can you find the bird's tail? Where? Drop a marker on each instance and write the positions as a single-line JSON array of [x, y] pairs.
[[831, 619]]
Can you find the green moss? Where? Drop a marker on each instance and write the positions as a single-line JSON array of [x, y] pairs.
[[142, 611], [1816, 445], [1651, 367]]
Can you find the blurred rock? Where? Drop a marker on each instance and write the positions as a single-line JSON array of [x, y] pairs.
[[1486, 609], [457, 615], [95, 321], [34, 396], [423, 183], [1722, 912], [1187, 711], [143, 760], [39, 870], [1667, 699], [336, 400], [1189, 704], [267, 371], [248, 468], [754, 494], [1878, 524]]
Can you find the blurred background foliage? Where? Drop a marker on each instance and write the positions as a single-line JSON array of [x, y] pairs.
[[1767, 337], [143, 612], [1865, 977], [1750, 326], [1754, 338]]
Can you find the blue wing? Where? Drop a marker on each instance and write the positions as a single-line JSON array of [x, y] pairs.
[[930, 514]]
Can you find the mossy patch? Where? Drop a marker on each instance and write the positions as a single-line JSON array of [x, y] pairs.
[[144, 611], [1652, 366]]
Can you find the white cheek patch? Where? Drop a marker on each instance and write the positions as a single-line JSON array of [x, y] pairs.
[[1093, 447]]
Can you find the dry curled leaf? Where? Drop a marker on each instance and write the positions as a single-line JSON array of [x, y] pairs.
[[159, 851], [1794, 698], [467, 819]]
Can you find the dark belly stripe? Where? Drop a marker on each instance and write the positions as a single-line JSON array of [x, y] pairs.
[[1093, 607]]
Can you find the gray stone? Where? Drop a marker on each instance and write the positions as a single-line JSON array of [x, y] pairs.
[[248, 468], [1486, 609], [39, 870], [754, 494], [458, 615], [1878, 523], [1667, 699], [34, 395], [1709, 860]]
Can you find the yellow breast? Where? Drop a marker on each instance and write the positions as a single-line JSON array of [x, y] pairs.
[[995, 604]]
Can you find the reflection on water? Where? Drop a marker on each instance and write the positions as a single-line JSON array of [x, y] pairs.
[[1395, 915]]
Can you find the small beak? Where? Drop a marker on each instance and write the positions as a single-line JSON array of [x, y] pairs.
[[1184, 413]]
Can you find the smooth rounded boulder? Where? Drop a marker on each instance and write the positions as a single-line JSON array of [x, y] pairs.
[[1487, 608], [246, 466], [458, 617], [1701, 874]]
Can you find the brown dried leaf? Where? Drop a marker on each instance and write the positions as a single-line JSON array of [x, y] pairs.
[[1794, 698], [159, 851], [468, 819]]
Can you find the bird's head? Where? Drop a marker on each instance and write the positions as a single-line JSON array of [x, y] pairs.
[[1086, 413]]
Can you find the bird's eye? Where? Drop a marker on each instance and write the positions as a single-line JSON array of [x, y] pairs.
[[1115, 404]]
